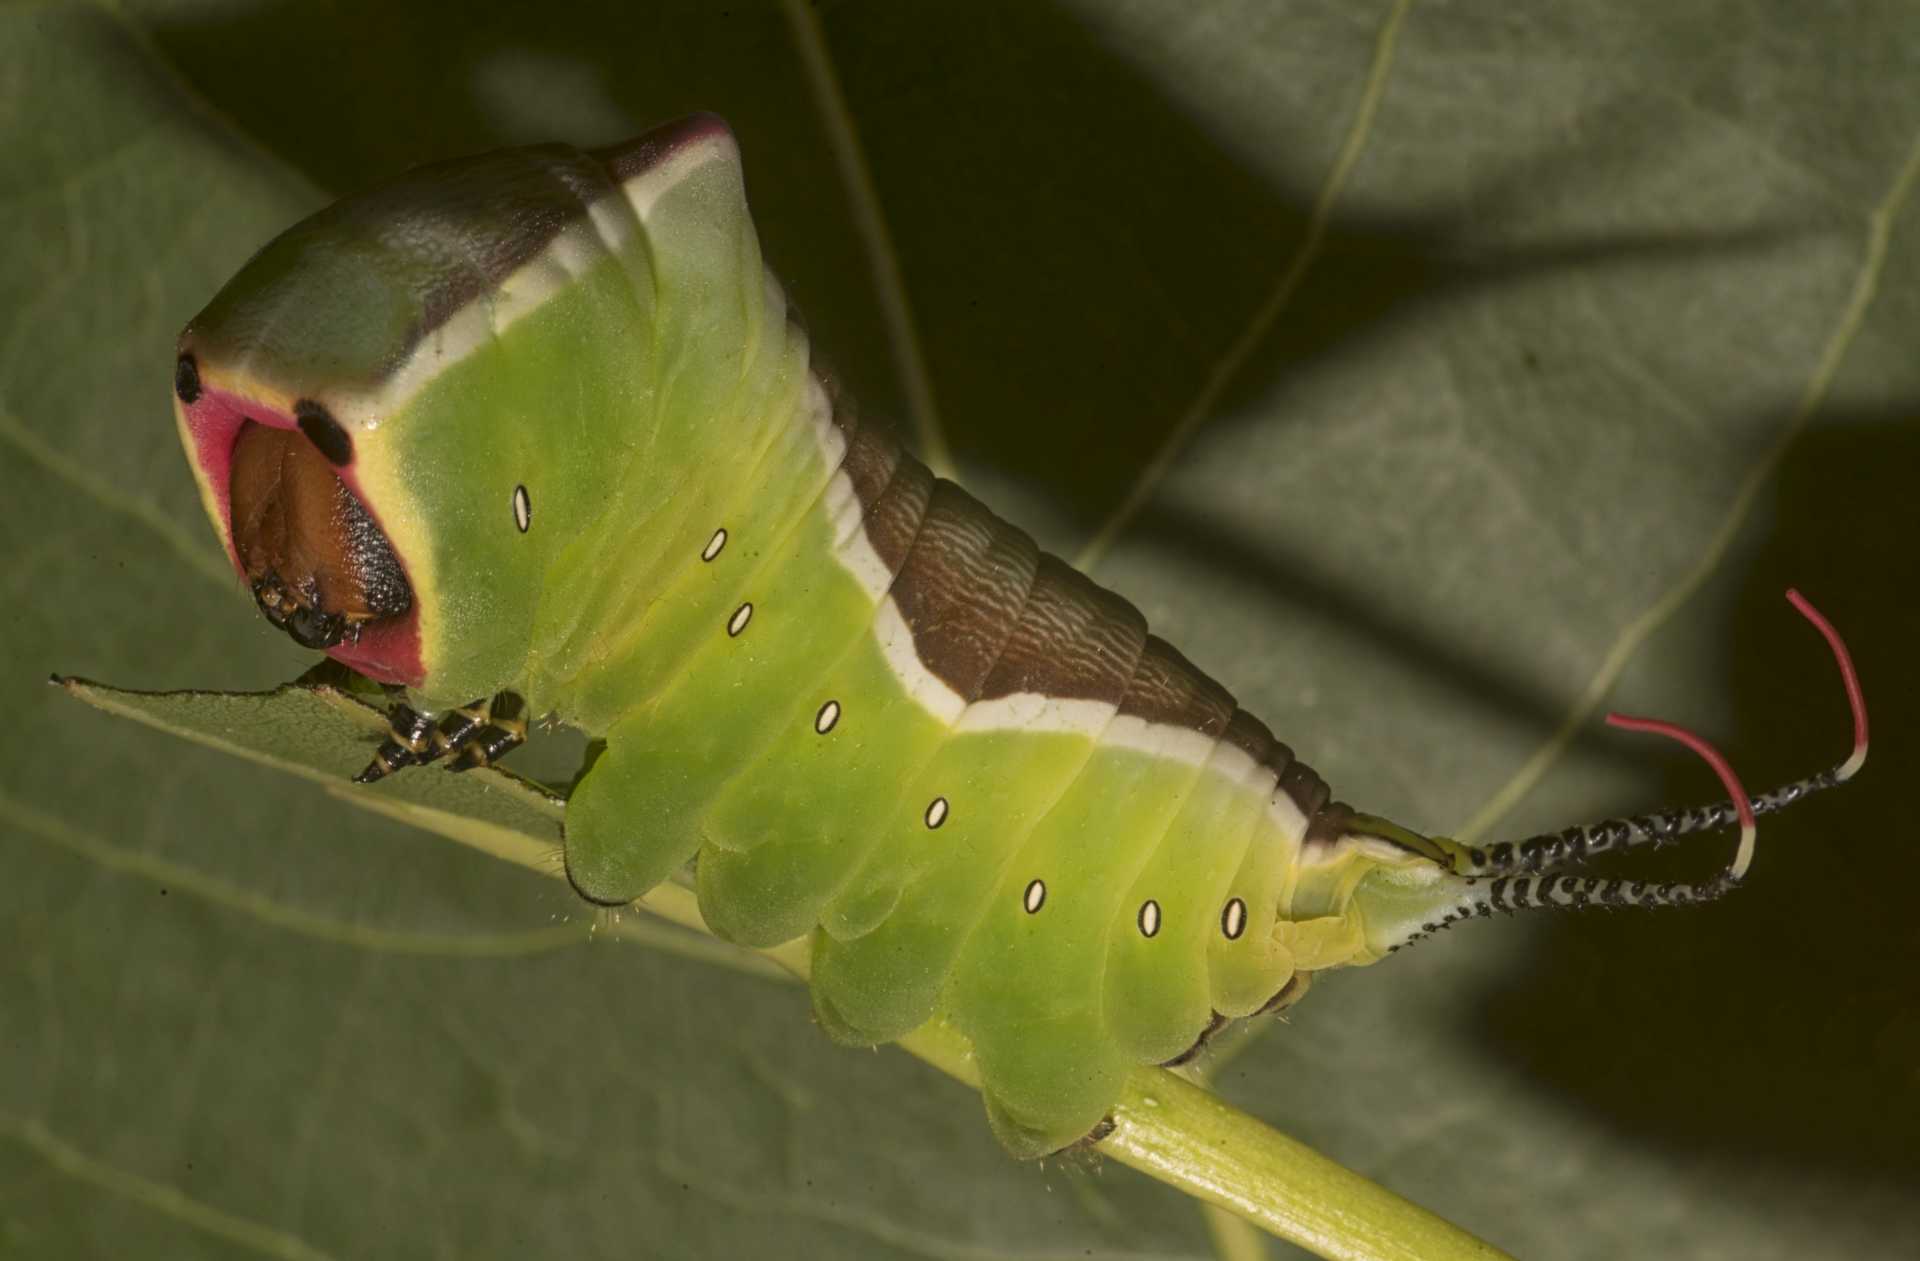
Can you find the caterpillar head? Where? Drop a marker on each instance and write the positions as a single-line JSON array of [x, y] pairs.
[[378, 402], [332, 390], [279, 480]]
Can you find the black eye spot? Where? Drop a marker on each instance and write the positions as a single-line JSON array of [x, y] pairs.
[[324, 432], [186, 379], [311, 628]]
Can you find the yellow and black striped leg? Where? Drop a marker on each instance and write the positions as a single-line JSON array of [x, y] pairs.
[[475, 734], [409, 742], [503, 730], [460, 727]]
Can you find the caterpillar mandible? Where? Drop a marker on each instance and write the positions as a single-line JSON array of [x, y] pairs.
[[538, 426]]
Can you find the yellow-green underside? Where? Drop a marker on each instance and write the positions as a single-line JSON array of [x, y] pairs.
[[795, 828]]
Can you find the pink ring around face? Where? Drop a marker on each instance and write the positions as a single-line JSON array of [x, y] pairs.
[[388, 650]]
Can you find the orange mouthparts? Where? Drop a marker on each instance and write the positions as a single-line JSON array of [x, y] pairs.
[[318, 566]]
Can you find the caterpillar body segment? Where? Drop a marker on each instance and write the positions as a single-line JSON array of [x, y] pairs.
[[1158, 991], [540, 423]]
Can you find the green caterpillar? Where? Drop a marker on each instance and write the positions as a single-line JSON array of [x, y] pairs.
[[537, 425]]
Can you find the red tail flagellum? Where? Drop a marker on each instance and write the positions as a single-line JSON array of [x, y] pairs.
[[1721, 767], [1848, 676], [1533, 873]]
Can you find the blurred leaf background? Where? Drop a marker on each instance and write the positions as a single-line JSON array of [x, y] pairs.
[[1602, 337]]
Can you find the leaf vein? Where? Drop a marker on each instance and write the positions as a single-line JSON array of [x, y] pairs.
[[1636, 632], [883, 259], [1227, 368], [67, 470], [860, 1219], [228, 896], [169, 1201]]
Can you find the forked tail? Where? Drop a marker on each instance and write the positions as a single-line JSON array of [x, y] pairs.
[[1524, 874]]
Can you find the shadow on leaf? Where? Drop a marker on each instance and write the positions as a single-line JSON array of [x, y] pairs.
[[1786, 1015], [1078, 231]]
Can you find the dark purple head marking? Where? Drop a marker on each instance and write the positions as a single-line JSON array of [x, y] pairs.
[[324, 432], [642, 154], [186, 380]]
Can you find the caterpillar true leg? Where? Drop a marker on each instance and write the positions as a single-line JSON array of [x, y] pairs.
[[466, 724], [409, 742], [503, 730], [475, 734]]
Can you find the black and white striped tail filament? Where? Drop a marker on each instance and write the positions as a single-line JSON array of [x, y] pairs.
[[1531, 873]]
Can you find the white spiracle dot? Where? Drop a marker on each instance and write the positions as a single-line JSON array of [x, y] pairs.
[[936, 812], [1233, 919], [829, 714], [1036, 897], [1149, 918], [714, 544], [738, 622], [522, 509]]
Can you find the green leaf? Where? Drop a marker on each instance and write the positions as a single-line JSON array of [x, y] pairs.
[[319, 729], [1602, 336]]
